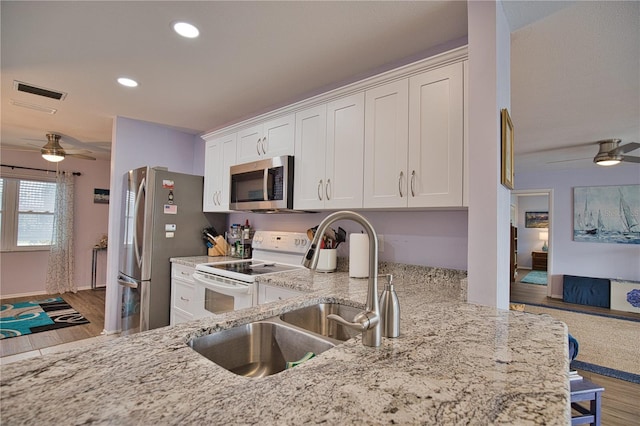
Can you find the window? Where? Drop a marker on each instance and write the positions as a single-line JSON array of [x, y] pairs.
[[26, 215]]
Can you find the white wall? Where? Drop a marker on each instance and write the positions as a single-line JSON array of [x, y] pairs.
[[529, 238], [489, 202], [24, 273], [137, 144], [599, 260]]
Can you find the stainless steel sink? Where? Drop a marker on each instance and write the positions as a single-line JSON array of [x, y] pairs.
[[260, 348], [314, 318]]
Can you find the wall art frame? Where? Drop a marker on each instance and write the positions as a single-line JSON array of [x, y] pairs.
[[607, 214], [536, 220], [506, 172]]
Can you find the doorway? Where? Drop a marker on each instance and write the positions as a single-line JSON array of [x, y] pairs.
[[529, 208]]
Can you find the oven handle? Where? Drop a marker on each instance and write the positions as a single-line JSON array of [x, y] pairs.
[[227, 289]]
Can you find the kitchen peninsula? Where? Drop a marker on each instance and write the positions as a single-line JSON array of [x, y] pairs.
[[453, 363]]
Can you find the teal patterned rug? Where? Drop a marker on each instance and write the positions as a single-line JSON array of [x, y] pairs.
[[535, 277], [19, 319]]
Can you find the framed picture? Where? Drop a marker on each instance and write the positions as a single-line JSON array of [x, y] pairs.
[[606, 214], [536, 219], [506, 175], [100, 196]]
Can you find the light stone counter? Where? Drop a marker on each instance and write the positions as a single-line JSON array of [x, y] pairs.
[[454, 363]]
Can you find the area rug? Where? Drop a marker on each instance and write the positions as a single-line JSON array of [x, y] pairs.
[[19, 319], [608, 346], [535, 277]]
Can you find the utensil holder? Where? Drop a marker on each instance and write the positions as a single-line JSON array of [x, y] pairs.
[[327, 261]]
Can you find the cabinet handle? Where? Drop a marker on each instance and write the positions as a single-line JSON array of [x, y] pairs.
[[413, 180], [258, 145], [264, 144], [328, 189], [183, 299], [219, 197], [400, 184], [320, 190]]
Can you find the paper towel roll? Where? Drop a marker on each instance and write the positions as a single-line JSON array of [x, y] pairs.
[[358, 255]]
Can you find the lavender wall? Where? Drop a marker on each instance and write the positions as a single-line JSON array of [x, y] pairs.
[[136, 144], [434, 238], [579, 258], [24, 273]]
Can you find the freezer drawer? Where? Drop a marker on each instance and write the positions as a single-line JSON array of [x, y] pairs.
[[135, 305]]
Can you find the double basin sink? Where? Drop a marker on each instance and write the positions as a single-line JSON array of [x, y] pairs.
[[267, 347]]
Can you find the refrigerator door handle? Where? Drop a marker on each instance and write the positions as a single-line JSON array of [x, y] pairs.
[[136, 210], [127, 283]]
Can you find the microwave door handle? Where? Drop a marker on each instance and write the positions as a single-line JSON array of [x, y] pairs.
[[227, 289], [265, 181]]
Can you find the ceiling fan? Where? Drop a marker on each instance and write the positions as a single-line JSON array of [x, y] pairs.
[[52, 150], [610, 152]]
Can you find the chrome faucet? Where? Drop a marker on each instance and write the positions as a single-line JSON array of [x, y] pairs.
[[367, 321]]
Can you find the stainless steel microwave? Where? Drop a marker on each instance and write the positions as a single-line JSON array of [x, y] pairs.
[[263, 185]]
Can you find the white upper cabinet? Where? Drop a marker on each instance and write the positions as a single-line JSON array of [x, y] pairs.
[[414, 141], [386, 139], [436, 137], [266, 140], [329, 155], [309, 166], [220, 155]]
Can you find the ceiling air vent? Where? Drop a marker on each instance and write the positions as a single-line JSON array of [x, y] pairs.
[[40, 91]]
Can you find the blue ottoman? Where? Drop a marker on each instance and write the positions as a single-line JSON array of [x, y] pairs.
[[586, 291]]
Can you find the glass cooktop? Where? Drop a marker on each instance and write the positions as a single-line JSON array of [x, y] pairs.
[[251, 267]]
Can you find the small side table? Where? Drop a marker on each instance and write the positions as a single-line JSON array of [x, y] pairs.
[[539, 260], [584, 390], [94, 265]]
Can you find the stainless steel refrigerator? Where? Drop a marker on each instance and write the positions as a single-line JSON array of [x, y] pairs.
[[162, 218]]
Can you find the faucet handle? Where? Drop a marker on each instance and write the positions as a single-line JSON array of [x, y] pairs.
[[364, 321]]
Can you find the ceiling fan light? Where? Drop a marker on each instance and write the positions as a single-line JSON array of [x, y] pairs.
[[54, 157], [607, 162]]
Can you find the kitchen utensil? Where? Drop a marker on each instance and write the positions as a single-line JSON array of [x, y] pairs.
[[341, 236], [311, 232]]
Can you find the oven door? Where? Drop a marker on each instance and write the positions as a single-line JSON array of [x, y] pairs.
[[217, 295]]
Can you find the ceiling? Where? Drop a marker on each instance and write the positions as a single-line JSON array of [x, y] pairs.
[[575, 70]]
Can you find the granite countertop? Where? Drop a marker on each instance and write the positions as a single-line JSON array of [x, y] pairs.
[[453, 363]]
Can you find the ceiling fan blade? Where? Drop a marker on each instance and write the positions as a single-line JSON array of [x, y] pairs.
[[19, 148], [81, 156], [630, 159], [566, 161], [627, 148]]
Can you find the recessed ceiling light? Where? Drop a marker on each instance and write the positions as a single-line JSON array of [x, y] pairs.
[[186, 30], [127, 82]]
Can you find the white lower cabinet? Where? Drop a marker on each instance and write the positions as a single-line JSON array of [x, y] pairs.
[[269, 293], [182, 294]]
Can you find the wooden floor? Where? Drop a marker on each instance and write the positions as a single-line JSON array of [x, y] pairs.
[[620, 399], [90, 303]]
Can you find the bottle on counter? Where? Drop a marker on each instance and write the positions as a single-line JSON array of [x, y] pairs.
[[389, 309]]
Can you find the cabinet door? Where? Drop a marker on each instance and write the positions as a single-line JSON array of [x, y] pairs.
[[344, 153], [249, 144], [228, 159], [309, 166], [465, 136], [386, 130], [212, 176], [436, 137], [278, 137], [220, 154], [268, 293]]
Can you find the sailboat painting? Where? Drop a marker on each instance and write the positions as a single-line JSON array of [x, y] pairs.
[[607, 214]]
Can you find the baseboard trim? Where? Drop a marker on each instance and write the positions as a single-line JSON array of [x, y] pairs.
[[35, 293]]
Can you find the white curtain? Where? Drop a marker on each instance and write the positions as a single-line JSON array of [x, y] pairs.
[[60, 267]]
